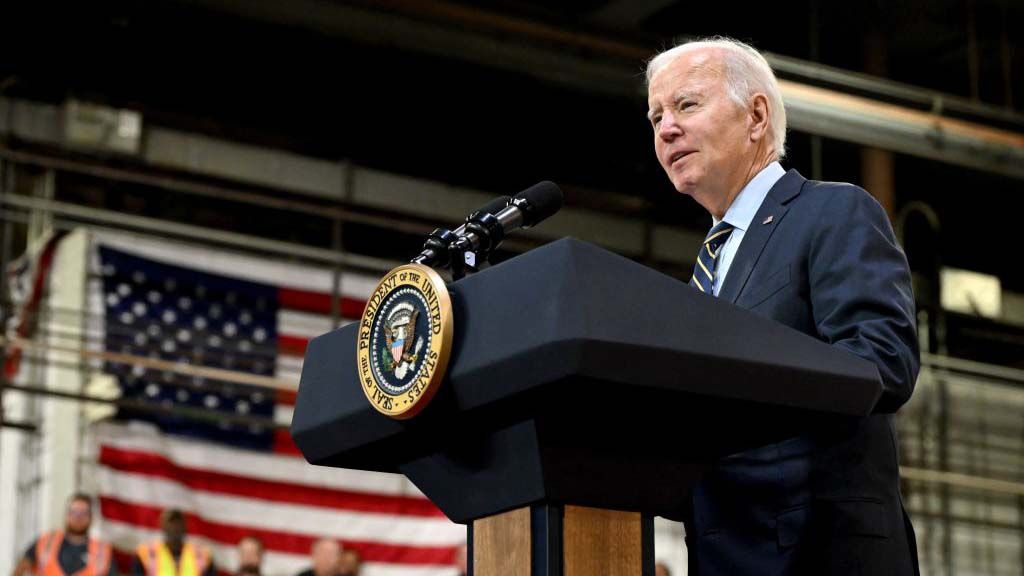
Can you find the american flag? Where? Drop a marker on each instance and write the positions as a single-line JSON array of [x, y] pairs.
[[235, 475], [182, 315]]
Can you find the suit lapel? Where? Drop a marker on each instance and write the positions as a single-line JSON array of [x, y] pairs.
[[772, 210]]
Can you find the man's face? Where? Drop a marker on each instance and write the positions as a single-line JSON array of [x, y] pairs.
[[174, 530], [326, 558], [701, 136], [78, 517], [250, 553], [350, 563]]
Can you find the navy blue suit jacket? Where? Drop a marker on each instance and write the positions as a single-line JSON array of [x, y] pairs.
[[827, 502]]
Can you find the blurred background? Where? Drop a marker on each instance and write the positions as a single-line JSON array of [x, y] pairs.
[[191, 189]]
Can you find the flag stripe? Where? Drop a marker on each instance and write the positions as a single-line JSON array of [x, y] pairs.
[[265, 466], [318, 302], [288, 367], [305, 324], [147, 464], [41, 272], [293, 345], [283, 443], [149, 516], [286, 396], [276, 517], [283, 414]]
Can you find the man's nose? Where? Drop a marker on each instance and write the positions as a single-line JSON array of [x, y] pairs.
[[668, 128]]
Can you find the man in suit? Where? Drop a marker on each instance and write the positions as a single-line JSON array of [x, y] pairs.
[[818, 257]]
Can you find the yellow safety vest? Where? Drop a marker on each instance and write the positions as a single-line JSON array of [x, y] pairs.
[[157, 560]]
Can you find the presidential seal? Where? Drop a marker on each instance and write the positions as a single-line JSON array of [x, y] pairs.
[[405, 337]]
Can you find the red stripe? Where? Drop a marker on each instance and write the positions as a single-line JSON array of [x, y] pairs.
[[318, 302], [149, 517], [286, 397], [29, 308], [124, 560], [155, 465], [291, 345], [283, 443]]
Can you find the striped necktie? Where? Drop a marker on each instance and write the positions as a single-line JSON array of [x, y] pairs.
[[707, 259]]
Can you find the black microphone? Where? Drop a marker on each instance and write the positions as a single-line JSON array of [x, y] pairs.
[[484, 232], [436, 247]]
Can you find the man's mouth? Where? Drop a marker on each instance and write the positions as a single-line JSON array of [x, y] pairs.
[[676, 156]]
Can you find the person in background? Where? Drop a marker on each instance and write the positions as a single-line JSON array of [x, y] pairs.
[[351, 562], [325, 555], [173, 555], [250, 556], [71, 550]]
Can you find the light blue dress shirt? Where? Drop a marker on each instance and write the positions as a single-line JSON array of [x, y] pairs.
[[741, 213]]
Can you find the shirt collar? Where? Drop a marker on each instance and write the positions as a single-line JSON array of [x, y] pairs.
[[749, 200]]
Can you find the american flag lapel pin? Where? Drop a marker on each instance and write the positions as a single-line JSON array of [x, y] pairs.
[[768, 220]]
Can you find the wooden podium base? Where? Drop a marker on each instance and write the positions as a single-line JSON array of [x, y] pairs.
[[548, 540]]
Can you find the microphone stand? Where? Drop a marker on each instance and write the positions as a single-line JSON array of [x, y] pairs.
[[458, 262]]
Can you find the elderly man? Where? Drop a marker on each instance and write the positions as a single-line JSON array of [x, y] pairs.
[[820, 258], [69, 551], [351, 562], [325, 557]]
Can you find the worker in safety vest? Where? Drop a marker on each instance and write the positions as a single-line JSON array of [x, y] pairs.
[[173, 556], [69, 552]]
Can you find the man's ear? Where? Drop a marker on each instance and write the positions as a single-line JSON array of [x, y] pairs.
[[758, 114]]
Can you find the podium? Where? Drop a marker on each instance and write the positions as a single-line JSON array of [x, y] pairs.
[[585, 395]]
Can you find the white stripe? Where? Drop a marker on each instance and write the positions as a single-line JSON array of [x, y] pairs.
[[127, 537], [283, 414], [280, 517], [238, 265], [197, 454], [378, 569], [288, 367], [303, 324]]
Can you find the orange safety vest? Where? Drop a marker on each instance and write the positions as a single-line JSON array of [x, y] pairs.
[[157, 559], [48, 561]]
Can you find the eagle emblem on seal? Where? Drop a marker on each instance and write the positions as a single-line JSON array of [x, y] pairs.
[[402, 347]]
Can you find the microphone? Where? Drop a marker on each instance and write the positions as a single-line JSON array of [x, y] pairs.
[[436, 249], [484, 232]]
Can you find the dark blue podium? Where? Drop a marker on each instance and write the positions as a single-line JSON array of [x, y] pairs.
[[585, 395]]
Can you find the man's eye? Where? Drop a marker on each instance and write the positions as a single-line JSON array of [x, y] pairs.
[[655, 120], [687, 104]]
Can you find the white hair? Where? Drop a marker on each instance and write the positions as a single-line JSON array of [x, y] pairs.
[[746, 73]]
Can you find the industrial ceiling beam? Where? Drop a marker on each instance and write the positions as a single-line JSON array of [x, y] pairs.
[[611, 67], [625, 13]]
